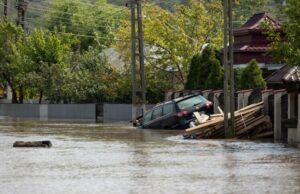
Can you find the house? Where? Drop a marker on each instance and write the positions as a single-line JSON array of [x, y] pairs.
[[275, 80], [250, 42]]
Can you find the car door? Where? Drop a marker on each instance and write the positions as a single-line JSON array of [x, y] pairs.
[[156, 118], [147, 120], [169, 118]]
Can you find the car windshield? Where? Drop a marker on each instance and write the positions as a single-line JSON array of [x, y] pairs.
[[191, 102]]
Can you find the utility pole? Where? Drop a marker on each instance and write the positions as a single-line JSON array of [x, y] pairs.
[[225, 66], [138, 80], [228, 60], [133, 58], [141, 53], [22, 8], [5, 9], [231, 56]]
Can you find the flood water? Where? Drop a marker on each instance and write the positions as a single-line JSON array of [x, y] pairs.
[[117, 158]]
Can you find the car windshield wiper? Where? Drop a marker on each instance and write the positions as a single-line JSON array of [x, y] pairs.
[[197, 103]]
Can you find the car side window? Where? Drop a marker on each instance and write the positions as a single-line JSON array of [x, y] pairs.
[[168, 108], [157, 113], [147, 116]]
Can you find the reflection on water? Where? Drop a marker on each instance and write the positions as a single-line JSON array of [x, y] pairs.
[[116, 158]]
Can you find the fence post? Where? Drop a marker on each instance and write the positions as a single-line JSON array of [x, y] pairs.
[[43, 111], [243, 98], [298, 126], [277, 114], [265, 99], [291, 105], [217, 93], [205, 93], [168, 95]]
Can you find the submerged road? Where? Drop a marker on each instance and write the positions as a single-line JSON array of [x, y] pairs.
[[116, 158]]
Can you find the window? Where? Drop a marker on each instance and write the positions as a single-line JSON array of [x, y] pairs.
[[191, 102], [168, 108], [157, 113], [147, 116]]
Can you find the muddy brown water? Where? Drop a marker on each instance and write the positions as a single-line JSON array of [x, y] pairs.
[[117, 158]]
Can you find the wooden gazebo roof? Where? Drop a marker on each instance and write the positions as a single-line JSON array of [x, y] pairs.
[[277, 76], [253, 24]]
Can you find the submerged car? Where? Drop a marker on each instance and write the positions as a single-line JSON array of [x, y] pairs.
[[174, 114]]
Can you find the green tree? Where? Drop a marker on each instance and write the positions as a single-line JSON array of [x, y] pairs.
[[92, 24], [205, 71], [173, 38], [244, 9], [252, 76], [285, 47], [46, 56], [92, 79], [11, 70], [192, 78]]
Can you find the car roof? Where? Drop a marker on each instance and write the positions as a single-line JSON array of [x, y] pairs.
[[176, 100]]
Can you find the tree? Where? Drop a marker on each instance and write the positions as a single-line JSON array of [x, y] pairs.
[[92, 79], [251, 77], [244, 9], [173, 38], [192, 78], [205, 71], [92, 24], [46, 56], [285, 46], [11, 70]]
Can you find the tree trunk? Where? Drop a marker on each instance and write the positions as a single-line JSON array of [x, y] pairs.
[[14, 96], [181, 74], [21, 97], [41, 97]]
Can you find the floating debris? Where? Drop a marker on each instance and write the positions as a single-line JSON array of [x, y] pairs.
[[250, 123], [42, 144]]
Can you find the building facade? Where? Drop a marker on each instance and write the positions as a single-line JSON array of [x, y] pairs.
[[250, 42]]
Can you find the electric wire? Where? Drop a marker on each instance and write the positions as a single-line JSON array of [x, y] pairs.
[[84, 35]]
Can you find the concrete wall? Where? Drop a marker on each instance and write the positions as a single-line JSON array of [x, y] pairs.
[[50, 111], [119, 112], [72, 111], [20, 110], [86, 112]]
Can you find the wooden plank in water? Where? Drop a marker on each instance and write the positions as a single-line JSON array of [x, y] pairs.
[[32, 144]]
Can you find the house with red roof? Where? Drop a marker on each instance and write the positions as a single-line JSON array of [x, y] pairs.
[[251, 43]]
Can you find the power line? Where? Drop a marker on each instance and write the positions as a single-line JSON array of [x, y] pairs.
[[88, 4], [74, 14], [28, 19], [85, 35], [66, 19], [43, 8]]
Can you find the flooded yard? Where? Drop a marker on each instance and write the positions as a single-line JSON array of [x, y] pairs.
[[117, 158]]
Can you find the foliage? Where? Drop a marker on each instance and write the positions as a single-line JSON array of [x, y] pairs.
[[244, 9], [172, 39], [92, 79], [43, 64], [168, 5], [205, 71], [285, 47], [237, 78], [46, 56], [92, 25], [251, 77], [11, 70], [157, 81], [63, 76]]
